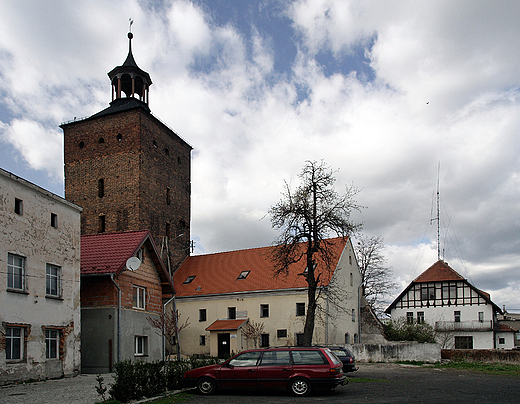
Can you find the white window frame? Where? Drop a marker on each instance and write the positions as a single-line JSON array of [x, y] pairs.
[[53, 280], [141, 345], [12, 341], [16, 272], [52, 343], [139, 297]]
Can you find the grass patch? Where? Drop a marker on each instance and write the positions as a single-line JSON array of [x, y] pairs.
[[366, 380], [172, 399], [495, 368]]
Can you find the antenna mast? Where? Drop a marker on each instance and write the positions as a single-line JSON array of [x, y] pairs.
[[437, 218]]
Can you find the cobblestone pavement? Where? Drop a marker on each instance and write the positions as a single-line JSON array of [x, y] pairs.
[[71, 390]]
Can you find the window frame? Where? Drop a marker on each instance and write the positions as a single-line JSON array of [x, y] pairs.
[[300, 309], [264, 310], [232, 313], [52, 343], [203, 315], [136, 297], [420, 317], [19, 272], [281, 333], [141, 345], [457, 316], [49, 277], [20, 343]]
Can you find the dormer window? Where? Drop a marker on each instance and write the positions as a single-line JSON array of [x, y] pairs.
[[188, 280], [243, 274]]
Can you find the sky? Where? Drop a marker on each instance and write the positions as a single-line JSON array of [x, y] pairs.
[[400, 98]]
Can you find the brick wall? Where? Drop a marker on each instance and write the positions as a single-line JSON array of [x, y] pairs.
[[145, 173]]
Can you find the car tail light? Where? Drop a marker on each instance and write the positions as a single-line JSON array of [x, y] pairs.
[[336, 371]]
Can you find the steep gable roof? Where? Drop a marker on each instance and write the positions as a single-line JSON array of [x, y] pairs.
[[441, 272], [221, 272], [107, 253]]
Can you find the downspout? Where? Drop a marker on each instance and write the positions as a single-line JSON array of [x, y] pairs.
[[118, 318], [163, 337], [327, 317], [359, 312]]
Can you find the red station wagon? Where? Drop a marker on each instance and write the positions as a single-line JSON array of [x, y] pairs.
[[298, 369]]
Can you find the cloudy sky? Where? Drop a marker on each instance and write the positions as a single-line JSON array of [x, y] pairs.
[[383, 92]]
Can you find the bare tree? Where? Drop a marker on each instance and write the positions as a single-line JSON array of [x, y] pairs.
[[306, 217], [376, 276], [253, 331], [169, 327]]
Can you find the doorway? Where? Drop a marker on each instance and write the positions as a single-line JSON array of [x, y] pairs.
[[223, 346]]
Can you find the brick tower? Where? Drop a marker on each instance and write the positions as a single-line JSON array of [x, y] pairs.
[[127, 169]]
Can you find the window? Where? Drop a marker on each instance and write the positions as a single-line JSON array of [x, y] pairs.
[[101, 224], [139, 297], [101, 140], [264, 340], [353, 315], [409, 317], [202, 340], [14, 345], [457, 316], [281, 333], [141, 345], [501, 341], [356, 339], [308, 358], [140, 254], [232, 313], [420, 317], [119, 137], [101, 187], [276, 358], [54, 220], [300, 309], [188, 280], [18, 206], [463, 342], [428, 292], [243, 274], [351, 279], [167, 229], [481, 316], [15, 272], [449, 291], [246, 359], [53, 280], [347, 338], [350, 259], [264, 310], [52, 340], [168, 196], [202, 315]]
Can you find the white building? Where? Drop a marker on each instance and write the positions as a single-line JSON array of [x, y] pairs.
[[39, 282], [219, 294], [463, 316]]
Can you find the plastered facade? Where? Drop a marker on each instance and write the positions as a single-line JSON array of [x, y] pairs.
[[334, 322], [46, 230]]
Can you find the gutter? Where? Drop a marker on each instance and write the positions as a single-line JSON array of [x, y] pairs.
[[118, 318]]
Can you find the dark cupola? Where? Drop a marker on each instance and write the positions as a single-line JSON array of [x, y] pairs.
[[129, 78]]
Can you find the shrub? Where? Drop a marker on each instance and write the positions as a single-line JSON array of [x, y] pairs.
[[400, 330]]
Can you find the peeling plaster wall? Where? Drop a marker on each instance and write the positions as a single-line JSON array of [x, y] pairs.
[[31, 236]]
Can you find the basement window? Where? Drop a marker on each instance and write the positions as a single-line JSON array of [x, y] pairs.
[[243, 274]]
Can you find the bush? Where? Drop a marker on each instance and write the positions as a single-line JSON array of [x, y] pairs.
[[401, 330], [134, 380]]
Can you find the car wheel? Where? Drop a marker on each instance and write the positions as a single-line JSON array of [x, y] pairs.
[[299, 387], [206, 386]]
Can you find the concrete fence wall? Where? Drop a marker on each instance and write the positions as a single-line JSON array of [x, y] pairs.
[[396, 351]]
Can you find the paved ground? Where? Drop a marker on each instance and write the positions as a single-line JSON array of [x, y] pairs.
[[376, 383], [72, 390]]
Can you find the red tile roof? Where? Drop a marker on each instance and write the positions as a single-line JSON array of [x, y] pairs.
[[106, 253], [218, 273], [439, 272], [226, 325], [506, 328]]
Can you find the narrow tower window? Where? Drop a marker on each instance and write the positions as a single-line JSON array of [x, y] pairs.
[[101, 227], [168, 196], [101, 187], [18, 206]]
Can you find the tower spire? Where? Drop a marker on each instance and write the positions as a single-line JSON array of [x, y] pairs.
[[129, 78]]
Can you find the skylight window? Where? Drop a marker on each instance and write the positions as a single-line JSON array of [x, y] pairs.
[[188, 280], [243, 274]]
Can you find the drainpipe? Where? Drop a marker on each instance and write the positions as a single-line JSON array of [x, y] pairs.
[[327, 317], [360, 288], [163, 337], [118, 318]]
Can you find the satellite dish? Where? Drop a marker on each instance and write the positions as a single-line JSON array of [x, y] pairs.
[[133, 263]]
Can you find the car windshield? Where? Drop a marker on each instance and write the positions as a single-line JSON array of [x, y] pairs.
[[332, 357], [245, 359]]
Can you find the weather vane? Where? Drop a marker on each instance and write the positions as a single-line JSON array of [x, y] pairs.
[[131, 22]]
